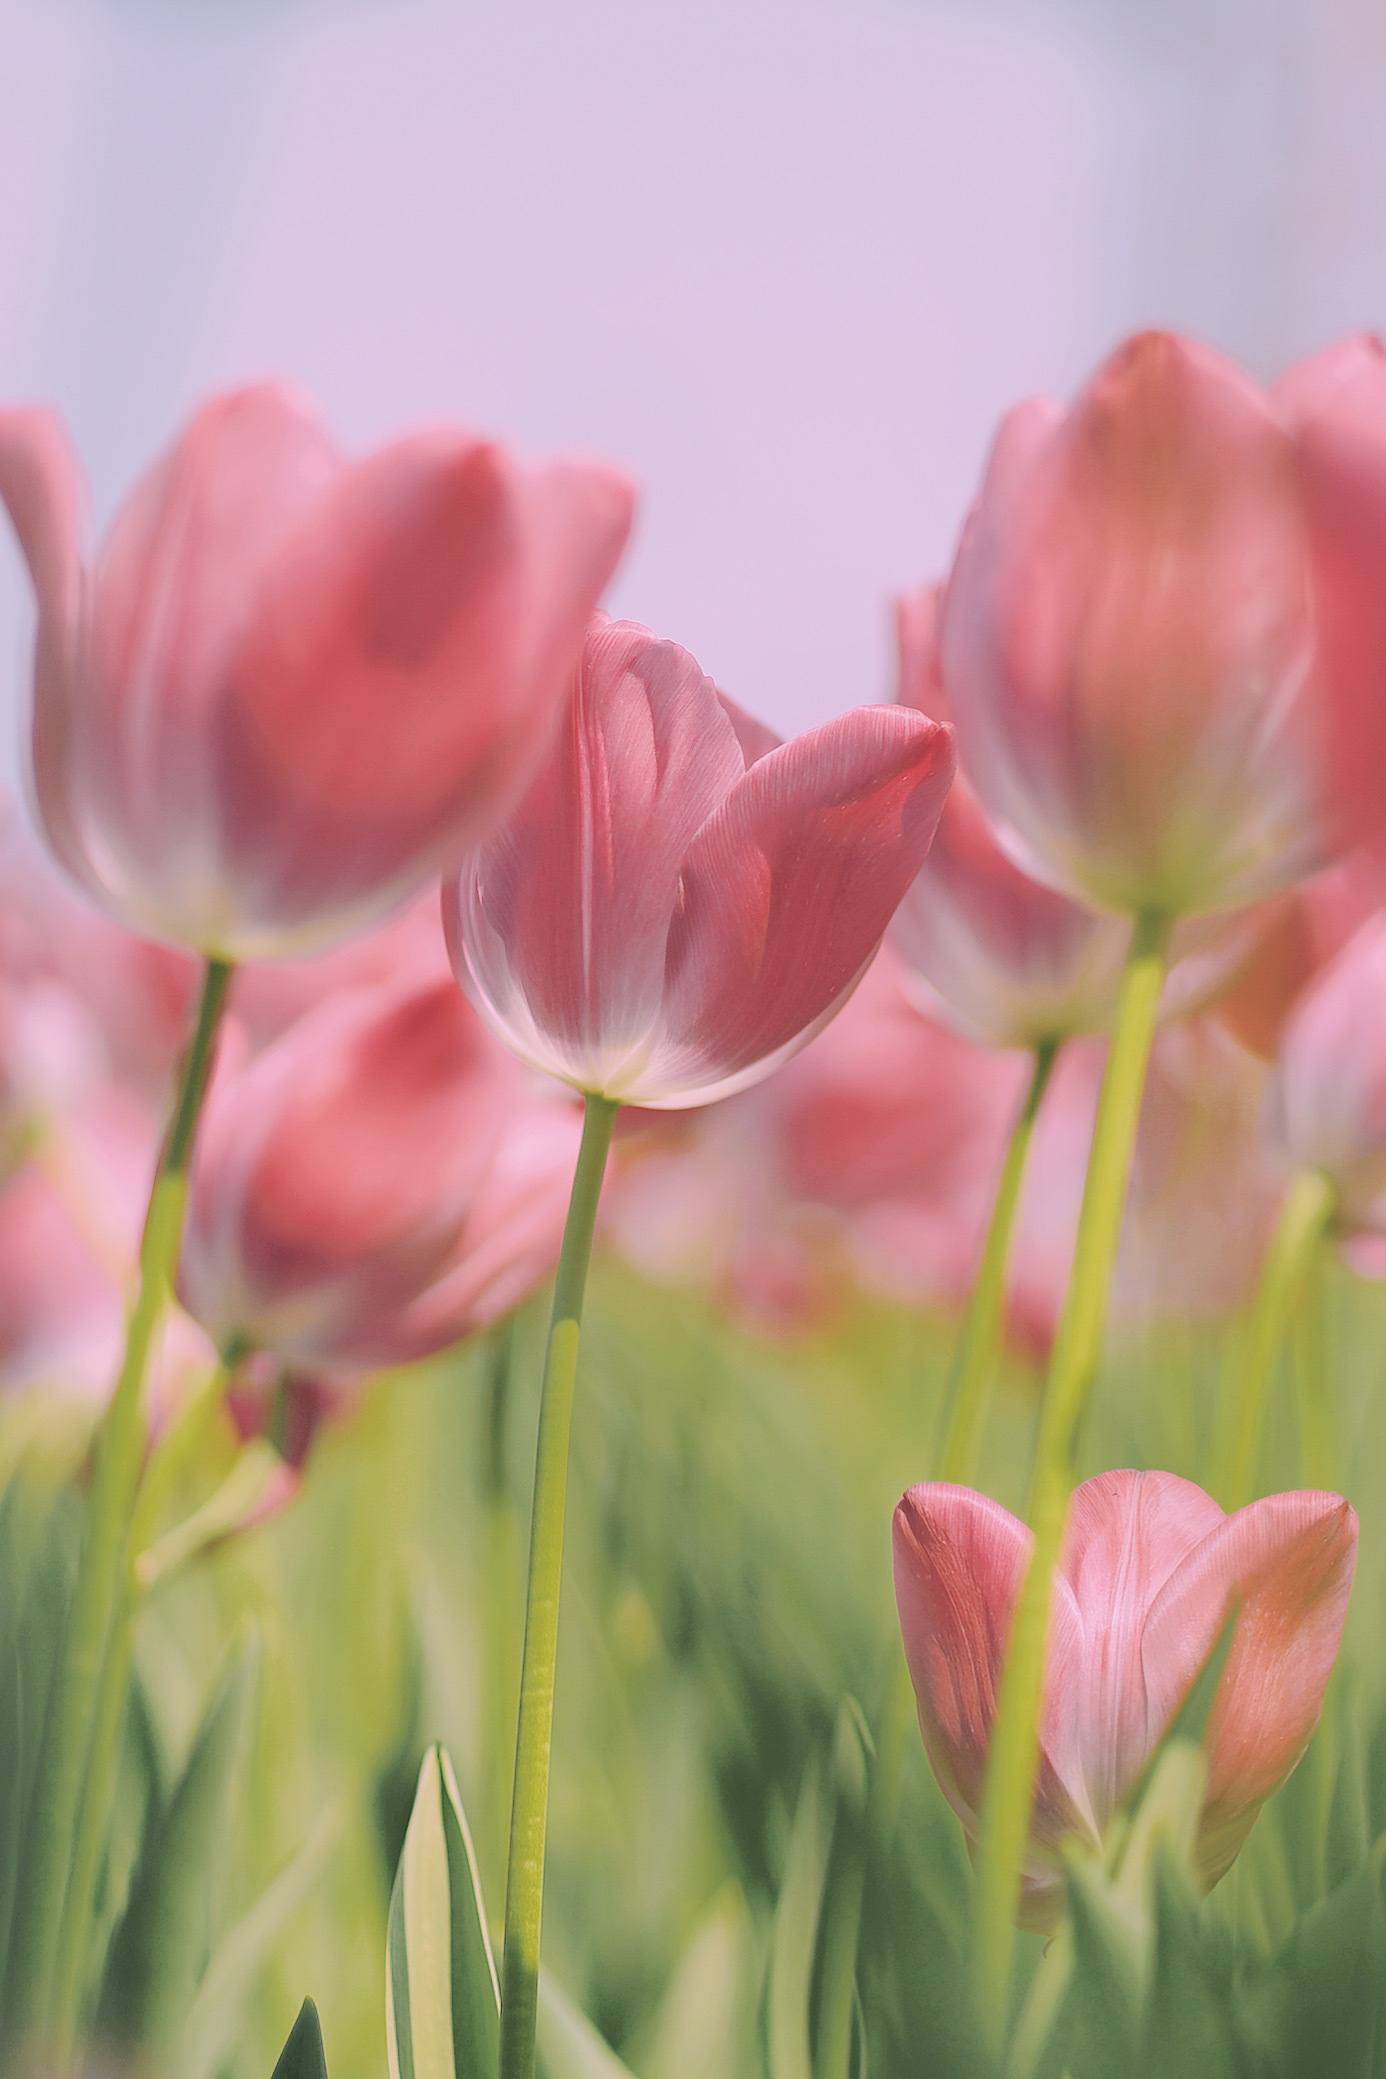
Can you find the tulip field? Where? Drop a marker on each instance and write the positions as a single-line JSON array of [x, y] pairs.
[[676, 1405]]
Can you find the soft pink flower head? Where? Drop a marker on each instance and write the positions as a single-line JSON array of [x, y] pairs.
[[1328, 1093], [1152, 1569], [290, 688], [1129, 640], [1336, 406], [679, 903], [375, 1157], [1006, 960]]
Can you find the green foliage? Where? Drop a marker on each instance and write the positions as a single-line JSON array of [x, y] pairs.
[[303, 2056]]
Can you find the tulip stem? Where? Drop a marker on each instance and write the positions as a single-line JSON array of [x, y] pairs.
[[973, 1373], [529, 1815], [1014, 1753], [72, 1770], [1304, 1217]]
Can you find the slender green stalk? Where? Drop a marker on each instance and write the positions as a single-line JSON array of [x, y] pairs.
[[1304, 1217], [1014, 1755], [1320, 1437], [504, 1575], [529, 1815], [71, 1769], [974, 1363]]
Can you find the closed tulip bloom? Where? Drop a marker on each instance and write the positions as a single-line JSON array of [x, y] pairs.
[[1129, 641], [290, 687], [1336, 406], [1152, 1569], [1328, 1093], [1006, 960], [340, 1174], [674, 908]]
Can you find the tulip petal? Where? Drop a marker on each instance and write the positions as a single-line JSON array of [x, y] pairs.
[[1286, 1563], [558, 925], [959, 1562], [787, 891], [1328, 1095], [1126, 1533]]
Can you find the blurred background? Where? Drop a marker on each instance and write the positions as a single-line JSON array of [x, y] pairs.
[[785, 259]]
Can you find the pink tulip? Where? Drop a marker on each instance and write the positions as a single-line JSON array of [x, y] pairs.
[[1301, 934], [291, 688], [1328, 1094], [674, 909], [1336, 406], [1129, 641], [370, 1187], [1152, 1569], [998, 955]]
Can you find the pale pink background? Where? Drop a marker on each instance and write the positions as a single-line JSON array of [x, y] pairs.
[[786, 259]]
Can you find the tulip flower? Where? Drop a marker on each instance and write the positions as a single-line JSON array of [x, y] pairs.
[[1006, 960], [673, 909], [290, 687], [1328, 1093], [1129, 641], [372, 1187], [1335, 403], [1151, 1571]]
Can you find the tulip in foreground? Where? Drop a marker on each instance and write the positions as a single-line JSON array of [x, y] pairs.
[[1151, 1571], [373, 1187], [680, 902], [1130, 641], [289, 688]]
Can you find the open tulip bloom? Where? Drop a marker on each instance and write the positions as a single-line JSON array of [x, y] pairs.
[[680, 902], [1152, 1570], [290, 687]]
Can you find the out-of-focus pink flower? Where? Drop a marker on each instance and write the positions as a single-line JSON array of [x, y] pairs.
[[1151, 1571], [868, 1160], [1304, 932], [1203, 1197], [1328, 1094], [370, 1187], [672, 911], [1336, 406], [1129, 641], [291, 688], [1006, 960]]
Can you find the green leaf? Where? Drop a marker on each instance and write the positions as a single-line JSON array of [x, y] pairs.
[[1103, 2010], [174, 1912], [569, 2046], [1189, 2024], [703, 2019], [442, 2000], [794, 1939], [303, 2056]]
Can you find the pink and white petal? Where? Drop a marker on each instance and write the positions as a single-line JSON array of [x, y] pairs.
[[959, 1561], [755, 737], [558, 925], [1127, 1531], [787, 891], [1286, 1563]]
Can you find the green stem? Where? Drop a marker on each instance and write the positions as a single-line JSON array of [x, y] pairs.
[[1014, 1754], [529, 1815], [1320, 1439], [974, 1363], [72, 1768], [1304, 1218]]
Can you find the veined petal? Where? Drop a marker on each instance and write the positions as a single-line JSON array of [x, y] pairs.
[[786, 892], [959, 1561], [558, 925], [1286, 1564], [1126, 1533]]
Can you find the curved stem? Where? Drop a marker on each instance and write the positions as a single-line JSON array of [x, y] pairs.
[[1014, 1752], [529, 1816], [66, 1778], [974, 1363], [1305, 1215]]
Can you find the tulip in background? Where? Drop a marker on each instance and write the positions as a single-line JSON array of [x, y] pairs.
[[1328, 1093], [1152, 1570], [372, 1187]]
